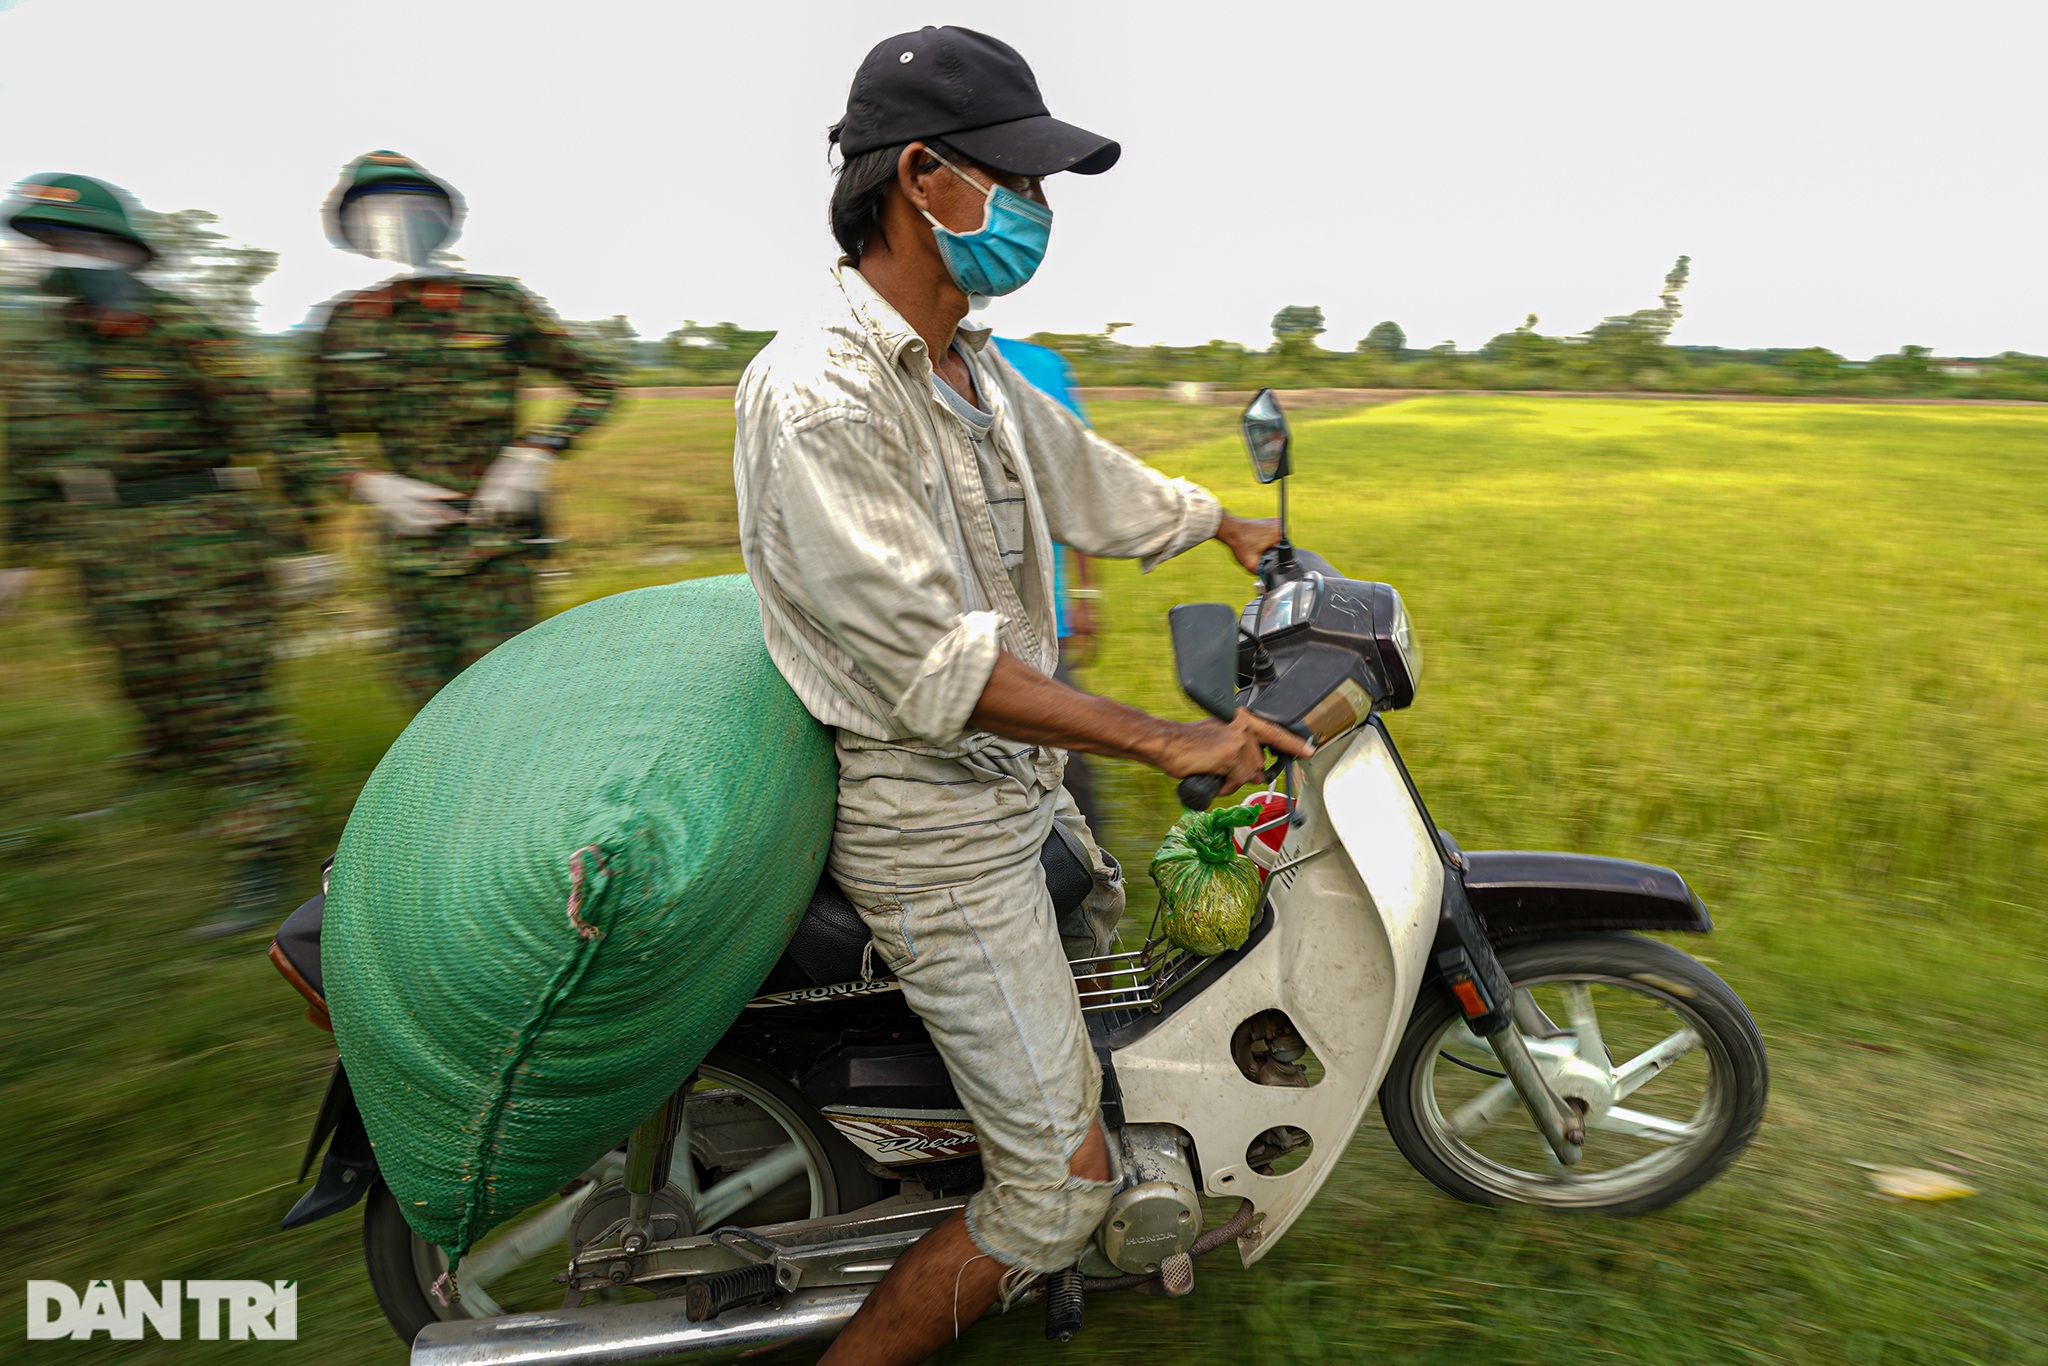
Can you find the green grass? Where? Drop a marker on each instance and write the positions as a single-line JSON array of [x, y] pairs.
[[1790, 651]]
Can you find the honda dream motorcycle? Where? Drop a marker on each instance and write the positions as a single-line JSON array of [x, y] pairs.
[[1525, 1046]]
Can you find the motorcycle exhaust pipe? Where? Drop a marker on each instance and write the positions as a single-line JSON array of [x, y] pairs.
[[634, 1334]]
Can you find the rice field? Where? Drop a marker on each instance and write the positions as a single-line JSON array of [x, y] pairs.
[[1794, 652]]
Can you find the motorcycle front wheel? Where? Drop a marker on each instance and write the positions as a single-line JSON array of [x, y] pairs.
[[1655, 1051], [740, 1114]]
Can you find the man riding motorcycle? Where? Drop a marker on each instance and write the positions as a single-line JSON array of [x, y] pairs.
[[899, 489]]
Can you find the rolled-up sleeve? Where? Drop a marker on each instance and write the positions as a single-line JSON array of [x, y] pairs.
[[863, 558]]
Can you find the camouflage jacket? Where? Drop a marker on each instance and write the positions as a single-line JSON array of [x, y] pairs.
[[146, 395], [432, 364]]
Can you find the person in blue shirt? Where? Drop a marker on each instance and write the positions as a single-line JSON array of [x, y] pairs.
[[1074, 608]]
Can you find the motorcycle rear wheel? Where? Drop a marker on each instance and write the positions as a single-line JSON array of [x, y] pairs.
[[403, 1267], [1461, 1125]]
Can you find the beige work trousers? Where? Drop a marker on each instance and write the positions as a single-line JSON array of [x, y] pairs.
[[941, 858]]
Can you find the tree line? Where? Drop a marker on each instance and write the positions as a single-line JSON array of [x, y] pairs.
[[1621, 353], [1624, 352]]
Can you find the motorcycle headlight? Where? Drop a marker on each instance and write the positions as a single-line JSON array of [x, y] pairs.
[[1400, 652]]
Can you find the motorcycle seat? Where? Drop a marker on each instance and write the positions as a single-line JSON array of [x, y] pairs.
[[831, 940]]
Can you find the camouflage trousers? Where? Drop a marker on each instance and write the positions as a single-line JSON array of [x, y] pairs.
[[180, 592], [447, 622]]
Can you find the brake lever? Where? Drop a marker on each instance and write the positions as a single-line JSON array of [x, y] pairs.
[[1284, 767]]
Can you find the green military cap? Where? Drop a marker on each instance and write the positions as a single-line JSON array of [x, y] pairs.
[[72, 201], [378, 173]]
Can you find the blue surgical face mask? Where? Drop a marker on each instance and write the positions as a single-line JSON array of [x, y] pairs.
[[1002, 255]]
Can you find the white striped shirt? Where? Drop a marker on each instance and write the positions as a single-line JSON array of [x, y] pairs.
[[865, 523]]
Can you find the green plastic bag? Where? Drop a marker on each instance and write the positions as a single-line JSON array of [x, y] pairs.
[[1208, 891], [559, 889]]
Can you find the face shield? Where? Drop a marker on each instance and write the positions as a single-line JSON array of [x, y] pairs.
[[405, 228]]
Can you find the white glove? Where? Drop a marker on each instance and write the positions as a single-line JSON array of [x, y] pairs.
[[13, 587], [411, 507], [304, 578], [513, 485]]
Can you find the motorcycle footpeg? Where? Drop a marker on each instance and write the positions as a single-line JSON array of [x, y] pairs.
[[711, 1295], [1064, 1305], [1177, 1275]]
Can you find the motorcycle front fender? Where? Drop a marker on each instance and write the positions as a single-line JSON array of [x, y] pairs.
[[1525, 895], [1343, 957]]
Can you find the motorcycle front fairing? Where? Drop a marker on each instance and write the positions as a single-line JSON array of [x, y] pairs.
[[1343, 958]]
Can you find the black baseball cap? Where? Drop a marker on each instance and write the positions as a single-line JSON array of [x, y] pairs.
[[975, 92]]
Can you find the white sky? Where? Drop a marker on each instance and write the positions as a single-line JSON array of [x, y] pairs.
[[1853, 175]]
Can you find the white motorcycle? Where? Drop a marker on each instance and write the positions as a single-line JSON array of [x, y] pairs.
[[1524, 1044]]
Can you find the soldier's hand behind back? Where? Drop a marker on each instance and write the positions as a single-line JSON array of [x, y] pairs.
[[411, 507], [513, 485]]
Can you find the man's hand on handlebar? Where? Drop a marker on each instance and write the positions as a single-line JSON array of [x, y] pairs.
[[1234, 752], [1020, 703], [1248, 538]]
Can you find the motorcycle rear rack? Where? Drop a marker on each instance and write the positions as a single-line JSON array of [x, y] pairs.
[[1130, 983], [1138, 981]]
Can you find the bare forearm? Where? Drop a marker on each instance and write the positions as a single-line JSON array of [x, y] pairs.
[[1019, 703]]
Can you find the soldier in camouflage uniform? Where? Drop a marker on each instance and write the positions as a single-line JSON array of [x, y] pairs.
[[430, 361], [131, 422]]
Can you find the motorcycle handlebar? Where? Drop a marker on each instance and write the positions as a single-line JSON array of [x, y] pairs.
[[1199, 791]]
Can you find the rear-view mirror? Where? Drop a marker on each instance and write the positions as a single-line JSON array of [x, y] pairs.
[[1266, 437], [1205, 654]]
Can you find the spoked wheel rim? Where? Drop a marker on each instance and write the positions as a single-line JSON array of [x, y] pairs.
[[1657, 1098], [749, 1151]]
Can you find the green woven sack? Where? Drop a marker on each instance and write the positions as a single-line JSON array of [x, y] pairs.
[[1208, 891], [559, 889]]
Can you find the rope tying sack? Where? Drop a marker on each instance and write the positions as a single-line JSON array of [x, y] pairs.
[[583, 928], [477, 1213]]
